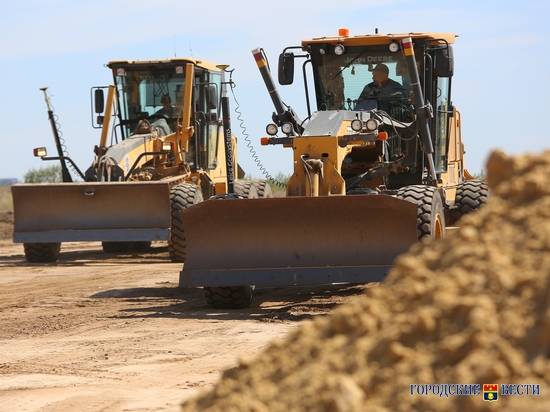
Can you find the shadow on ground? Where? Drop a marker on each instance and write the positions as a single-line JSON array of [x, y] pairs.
[[271, 305], [157, 254]]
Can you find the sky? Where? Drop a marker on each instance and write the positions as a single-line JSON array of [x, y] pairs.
[[501, 83]]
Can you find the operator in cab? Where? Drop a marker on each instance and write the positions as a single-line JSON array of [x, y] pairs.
[[164, 119], [168, 109], [382, 88]]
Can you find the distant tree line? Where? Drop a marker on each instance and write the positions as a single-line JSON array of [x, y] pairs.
[[47, 174]]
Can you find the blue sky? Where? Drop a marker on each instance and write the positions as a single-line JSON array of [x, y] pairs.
[[501, 83]]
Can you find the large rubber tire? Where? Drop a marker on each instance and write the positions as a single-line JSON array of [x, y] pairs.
[[41, 252], [229, 297], [430, 215], [470, 196], [125, 247], [182, 197], [264, 189], [246, 189]]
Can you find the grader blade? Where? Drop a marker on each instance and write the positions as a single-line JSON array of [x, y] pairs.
[[295, 240], [65, 212]]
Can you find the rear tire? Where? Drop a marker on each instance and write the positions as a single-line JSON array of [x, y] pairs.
[[470, 196], [41, 252], [182, 196], [430, 215], [229, 297], [264, 189], [245, 189]]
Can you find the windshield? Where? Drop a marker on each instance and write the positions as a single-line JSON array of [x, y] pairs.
[[154, 94], [362, 79]]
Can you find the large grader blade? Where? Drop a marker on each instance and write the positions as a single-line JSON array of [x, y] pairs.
[[295, 240], [64, 212]]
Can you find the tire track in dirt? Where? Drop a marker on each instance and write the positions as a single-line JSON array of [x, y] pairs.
[[109, 332]]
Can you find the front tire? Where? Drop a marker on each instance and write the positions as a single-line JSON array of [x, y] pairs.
[[182, 196], [430, 215], [229, 297], [42, 252]]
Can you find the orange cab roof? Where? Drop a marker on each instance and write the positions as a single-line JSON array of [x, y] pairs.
[[197, 62], [374, 39]]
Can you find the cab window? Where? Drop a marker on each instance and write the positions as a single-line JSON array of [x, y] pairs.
[[442, 111], [207, 117]]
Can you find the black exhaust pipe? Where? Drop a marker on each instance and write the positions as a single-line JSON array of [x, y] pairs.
[[226, 117]]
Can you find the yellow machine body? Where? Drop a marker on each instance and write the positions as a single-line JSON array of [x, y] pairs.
[[317, 234]]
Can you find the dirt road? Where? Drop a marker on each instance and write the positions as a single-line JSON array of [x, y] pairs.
[[117, 334]]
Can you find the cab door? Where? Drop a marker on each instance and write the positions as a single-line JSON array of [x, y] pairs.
[[207, 118]]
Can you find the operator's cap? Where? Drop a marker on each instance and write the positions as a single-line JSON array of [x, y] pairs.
[[381, 67]]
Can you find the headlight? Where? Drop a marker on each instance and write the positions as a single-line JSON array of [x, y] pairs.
[[339, 49], [286, 128], [393, 46], [371, 125], [166, 147], [40, 152], [356, 125], [271, 129]]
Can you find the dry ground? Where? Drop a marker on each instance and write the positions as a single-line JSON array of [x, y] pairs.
[[105, 332], [6, 212]]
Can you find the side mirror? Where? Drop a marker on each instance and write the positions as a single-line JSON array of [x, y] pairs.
[[444, 62], [286, 68], [99, 101], [212, 96]]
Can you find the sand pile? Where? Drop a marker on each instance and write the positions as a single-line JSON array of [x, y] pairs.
[[472, 308]]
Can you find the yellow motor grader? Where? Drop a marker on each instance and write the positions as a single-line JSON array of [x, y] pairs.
[[170, 147], [378, 166]]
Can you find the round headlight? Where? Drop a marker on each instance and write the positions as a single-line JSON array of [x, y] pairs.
[[286, 128], [394, 46], [339, 49], [371, 125], [356, 125], [271, 129]]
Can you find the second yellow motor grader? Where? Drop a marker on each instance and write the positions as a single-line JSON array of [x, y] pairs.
[[170, 149]]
